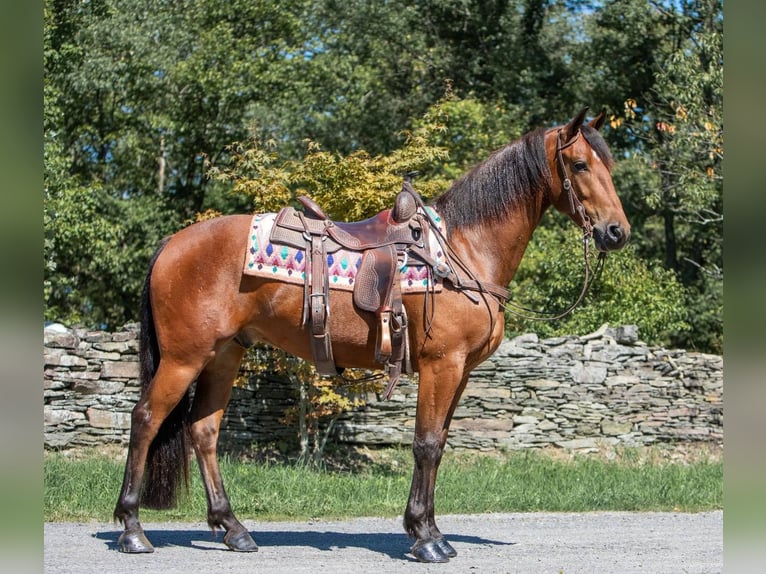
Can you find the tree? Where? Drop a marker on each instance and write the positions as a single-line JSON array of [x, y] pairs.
[[679, 123], [142, 96], [95, 245], [349, 187], [138, 94]]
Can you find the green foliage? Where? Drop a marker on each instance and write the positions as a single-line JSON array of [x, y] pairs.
[[469, 129], [627, 42], [136, 93], [96, 245], [704, 304], [679, 122], [93, 244], [628, 291], [350, 187], [142, 97]]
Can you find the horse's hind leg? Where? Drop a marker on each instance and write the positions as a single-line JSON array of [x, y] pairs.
[[168, 386], [210, 399]]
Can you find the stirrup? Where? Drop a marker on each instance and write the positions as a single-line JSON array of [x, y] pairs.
[[384, 346]]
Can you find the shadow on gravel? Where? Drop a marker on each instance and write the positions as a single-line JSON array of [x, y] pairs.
[[393, 545]]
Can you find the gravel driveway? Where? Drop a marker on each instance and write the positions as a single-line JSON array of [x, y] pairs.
[[598, 542]]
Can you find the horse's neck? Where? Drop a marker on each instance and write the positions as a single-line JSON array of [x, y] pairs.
[[495, 249]]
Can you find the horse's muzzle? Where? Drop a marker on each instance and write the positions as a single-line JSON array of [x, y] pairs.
[[610, 236]]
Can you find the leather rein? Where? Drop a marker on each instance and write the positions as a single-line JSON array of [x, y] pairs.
[[502, 294]]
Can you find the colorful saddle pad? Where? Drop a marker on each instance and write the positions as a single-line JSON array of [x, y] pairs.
[[284, 263]]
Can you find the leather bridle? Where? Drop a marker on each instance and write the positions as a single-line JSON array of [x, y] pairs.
[[575, 205]]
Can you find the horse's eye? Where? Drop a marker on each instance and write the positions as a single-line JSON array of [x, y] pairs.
[[581, 166]]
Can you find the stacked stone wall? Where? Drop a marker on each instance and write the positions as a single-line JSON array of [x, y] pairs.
[[572, 392]]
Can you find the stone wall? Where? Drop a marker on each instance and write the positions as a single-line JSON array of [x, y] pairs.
[[90, 385], [572, 392]]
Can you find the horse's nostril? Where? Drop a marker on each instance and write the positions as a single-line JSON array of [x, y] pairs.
[[614, 231]]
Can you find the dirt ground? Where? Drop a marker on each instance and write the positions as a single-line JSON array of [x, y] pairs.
[[527, 543]]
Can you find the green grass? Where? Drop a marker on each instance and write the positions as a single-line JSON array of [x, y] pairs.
[[86, 487]]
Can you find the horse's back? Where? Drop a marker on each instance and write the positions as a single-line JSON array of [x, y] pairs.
[[226, 229]]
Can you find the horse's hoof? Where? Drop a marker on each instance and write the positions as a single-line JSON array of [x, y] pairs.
[[134, 542], [241, 542], [429, 552], [446, 547]]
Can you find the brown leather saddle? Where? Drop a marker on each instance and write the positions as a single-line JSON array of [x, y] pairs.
[[385, 241]]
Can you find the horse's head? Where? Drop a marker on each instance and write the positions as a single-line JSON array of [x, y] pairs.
[[582, 186]]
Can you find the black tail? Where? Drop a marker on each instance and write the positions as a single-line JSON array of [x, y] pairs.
[[168, 459]]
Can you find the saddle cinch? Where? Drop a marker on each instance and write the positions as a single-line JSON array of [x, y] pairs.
[[386, 241]]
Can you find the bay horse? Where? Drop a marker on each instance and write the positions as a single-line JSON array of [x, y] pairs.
[[200, 312]]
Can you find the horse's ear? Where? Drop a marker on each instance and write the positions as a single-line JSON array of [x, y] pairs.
[[598, 122], [571, 129]]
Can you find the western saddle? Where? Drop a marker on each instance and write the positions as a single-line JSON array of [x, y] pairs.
[[386, 241]]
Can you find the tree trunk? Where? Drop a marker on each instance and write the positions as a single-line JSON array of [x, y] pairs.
[[671, 246], [303, 408]]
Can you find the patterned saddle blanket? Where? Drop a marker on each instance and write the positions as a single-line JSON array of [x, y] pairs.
[[288, 264]]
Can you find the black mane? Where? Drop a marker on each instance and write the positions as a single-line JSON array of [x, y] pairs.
[[508, 178]]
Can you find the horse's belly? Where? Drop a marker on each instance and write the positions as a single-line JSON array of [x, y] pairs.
[[457, 326], [278, 321]]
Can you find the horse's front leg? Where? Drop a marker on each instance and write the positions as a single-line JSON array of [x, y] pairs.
[[210, 401], [438, 392]]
